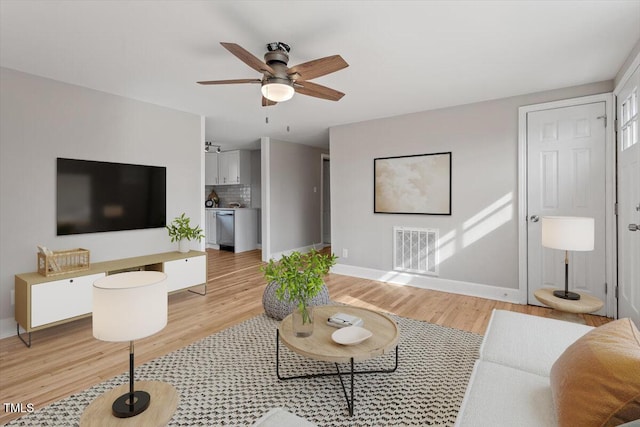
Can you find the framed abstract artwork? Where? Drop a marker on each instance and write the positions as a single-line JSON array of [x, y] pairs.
[[417, 184]]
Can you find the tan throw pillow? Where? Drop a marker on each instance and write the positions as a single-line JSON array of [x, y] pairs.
[[596, 381]]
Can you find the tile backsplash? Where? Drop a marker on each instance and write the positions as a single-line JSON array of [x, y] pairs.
[[231, 194]]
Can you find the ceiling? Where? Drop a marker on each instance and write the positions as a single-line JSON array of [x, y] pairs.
[[404, 56]]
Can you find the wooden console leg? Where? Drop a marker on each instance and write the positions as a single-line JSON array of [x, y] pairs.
[[28, 344]]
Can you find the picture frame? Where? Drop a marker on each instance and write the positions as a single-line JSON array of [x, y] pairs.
[[413, 184]]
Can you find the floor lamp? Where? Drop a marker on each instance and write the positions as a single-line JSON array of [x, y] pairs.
[[127, 307], [568, 233]]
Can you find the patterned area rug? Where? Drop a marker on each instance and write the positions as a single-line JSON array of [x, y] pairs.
[[229, 379]]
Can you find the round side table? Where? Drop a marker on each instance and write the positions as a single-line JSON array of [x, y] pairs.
[[565, 309], [164, 401]]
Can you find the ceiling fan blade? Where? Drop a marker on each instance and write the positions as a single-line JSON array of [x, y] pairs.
[[248, 58], [229, 82], [318, 91], [267, 102], [317, 67]]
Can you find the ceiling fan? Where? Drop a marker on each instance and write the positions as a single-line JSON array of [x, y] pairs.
[[280, 82]]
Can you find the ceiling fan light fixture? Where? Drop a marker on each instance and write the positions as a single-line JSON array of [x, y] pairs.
[[277, 92]]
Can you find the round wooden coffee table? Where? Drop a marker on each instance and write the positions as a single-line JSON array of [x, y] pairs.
[[320, 345], [566, 309]]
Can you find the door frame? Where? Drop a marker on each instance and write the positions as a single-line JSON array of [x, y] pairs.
[[616, 91], [610, 195], [323, 157], [265, 190]]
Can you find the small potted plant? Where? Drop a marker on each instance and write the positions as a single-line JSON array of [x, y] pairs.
[[299, 278], [180, 231]]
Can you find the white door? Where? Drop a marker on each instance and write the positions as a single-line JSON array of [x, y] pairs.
[[566, 177], [629, 199]]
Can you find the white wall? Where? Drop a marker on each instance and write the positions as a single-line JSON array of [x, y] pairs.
[[479, 241], [41, 119], [627, 64]]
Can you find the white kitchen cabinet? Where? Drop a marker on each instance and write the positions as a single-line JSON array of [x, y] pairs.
[[62, 299], [210, 232], [211, 175], [234, 167], [185, 273]]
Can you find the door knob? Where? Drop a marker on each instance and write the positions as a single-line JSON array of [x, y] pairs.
[[634, 227], [534, 218]]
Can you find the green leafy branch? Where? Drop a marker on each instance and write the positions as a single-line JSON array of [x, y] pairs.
[[181, 228], [300, 277]]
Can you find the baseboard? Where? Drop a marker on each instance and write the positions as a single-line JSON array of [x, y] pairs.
[[303, 249], [7, 327], [433, 283]]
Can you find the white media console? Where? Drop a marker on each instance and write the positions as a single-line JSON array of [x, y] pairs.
[[43, 302]]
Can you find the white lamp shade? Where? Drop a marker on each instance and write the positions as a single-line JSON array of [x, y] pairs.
[[569, 233], [277, 92], [129, 306]]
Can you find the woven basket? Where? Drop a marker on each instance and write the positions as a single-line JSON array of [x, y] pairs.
[[277, 309], [61, 262]]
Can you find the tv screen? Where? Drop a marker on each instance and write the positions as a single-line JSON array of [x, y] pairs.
[[95, 196]]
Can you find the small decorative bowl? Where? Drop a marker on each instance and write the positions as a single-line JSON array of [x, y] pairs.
[[351, 335]]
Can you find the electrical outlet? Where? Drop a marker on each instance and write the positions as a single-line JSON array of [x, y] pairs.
[[345, 253], [13, 297]]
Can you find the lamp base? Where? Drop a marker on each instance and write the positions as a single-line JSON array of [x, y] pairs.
[[566, 295], [122, 407]]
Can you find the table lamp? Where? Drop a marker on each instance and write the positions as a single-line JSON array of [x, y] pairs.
[[126, 307], [568, 233]]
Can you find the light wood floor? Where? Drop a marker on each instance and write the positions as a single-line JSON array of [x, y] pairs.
[[66, 359]]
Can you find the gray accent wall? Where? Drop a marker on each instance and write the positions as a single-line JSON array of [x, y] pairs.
[[479, 241], [294, 206], [41, 119]]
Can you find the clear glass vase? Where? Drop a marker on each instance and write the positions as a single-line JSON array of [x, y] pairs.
[[303, 321]]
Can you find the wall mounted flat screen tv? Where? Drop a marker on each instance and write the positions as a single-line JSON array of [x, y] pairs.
[[94, 197]]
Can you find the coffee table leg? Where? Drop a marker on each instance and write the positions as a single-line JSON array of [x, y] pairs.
[[278, 354], [350, 401], [348, 396]]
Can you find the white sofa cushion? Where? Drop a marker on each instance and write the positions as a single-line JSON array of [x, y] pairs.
[[279, 417], [500, 395], [527, 342]]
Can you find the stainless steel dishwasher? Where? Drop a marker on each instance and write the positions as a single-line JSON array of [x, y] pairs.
[[225, 225]]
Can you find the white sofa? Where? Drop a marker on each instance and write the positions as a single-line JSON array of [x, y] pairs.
[[510, 383]]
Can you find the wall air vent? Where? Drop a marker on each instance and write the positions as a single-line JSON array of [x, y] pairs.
[[415, 250]]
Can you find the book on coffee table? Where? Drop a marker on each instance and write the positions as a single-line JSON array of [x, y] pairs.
[[341, 320]]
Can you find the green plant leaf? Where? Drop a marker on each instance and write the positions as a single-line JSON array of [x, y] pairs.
[[299, 276], [180, 228]]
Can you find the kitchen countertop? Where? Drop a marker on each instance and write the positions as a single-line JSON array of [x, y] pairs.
[[228, 209]]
